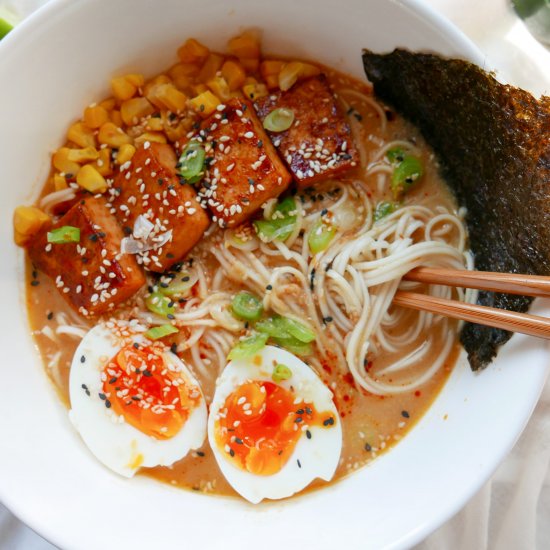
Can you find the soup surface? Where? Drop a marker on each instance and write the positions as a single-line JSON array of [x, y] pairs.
[[403, 345]]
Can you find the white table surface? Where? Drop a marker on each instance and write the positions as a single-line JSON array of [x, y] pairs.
[[512, 511]]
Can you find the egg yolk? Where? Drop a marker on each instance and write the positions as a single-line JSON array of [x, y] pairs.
[[260, 424], [151, 397]]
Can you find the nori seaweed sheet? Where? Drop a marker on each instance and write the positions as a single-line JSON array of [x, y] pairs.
[[493, 145]]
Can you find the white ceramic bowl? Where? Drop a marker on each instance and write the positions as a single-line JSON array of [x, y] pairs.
[[57, 62]]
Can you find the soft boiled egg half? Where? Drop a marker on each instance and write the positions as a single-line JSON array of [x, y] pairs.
[[133, 401], [273, 426]]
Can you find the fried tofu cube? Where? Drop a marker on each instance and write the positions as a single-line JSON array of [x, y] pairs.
[[149, 186], [92, 275], [319, 142], [244, 169]]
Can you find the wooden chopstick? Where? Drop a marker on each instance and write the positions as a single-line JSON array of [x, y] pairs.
[[483, 315], [510, 283]]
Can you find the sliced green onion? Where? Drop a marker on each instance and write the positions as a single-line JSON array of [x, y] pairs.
[[160, 332], [294, 345], [248, 347], [280, 373], [180, 285], [282, 222], [246, 306], [298, 330], [395, 155], [65, 234], [405, 175], [383, 209], [279, 120], [191, 162], [320, 236], [160, 304], [273, 326]]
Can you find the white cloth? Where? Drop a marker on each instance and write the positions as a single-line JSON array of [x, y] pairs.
[[512, 511]]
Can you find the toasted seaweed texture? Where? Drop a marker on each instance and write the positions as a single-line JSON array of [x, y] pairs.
[[493, 144]]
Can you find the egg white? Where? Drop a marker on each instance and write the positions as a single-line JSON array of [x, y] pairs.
[[312, 458], [114, 442]]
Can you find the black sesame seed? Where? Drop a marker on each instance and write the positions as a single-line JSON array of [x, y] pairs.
[[300, 411], [405, 414], [239, 441], [280, 453], [299, 463], [368, 448], [308, 411], [102, 396], [135, 345], [164, 285], [171, 303], [169, 255], [34, 274], [82, 358], [200, 453], [324, 212], [107, 403], [327, 319], [308, 434], [246, 324], [231, 452], [312, 279], [93, 237], [171, 316], [160, 181], [35, 283], [185, 279], [136, 398], [113, 380], [298, 420], [251, 182], [50, 316], [346, 156], [260, 143], [358, 117], [328, 421], [174, 348], [101, 234], [269, 287], [147, 373]]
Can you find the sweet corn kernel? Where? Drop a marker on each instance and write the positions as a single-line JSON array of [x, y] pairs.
[[132, 110], [83, 155], [95, 116], [154, 124], [116, 118], [123, 89], [125, 153], [219, 86], [255, 91], [309, 70], [113, 135], [103, 163], [251, 64], [90, 179], [28, 220], [193, 51], [80, 134], [270, 69], [108, 104], [59, 182], [136, 79], [183, 76], [211, 66], [61, 162], [199, 89], [205, 103], [234, 74], [245, 46], [170, 97], [289, 75], [158, 137]]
